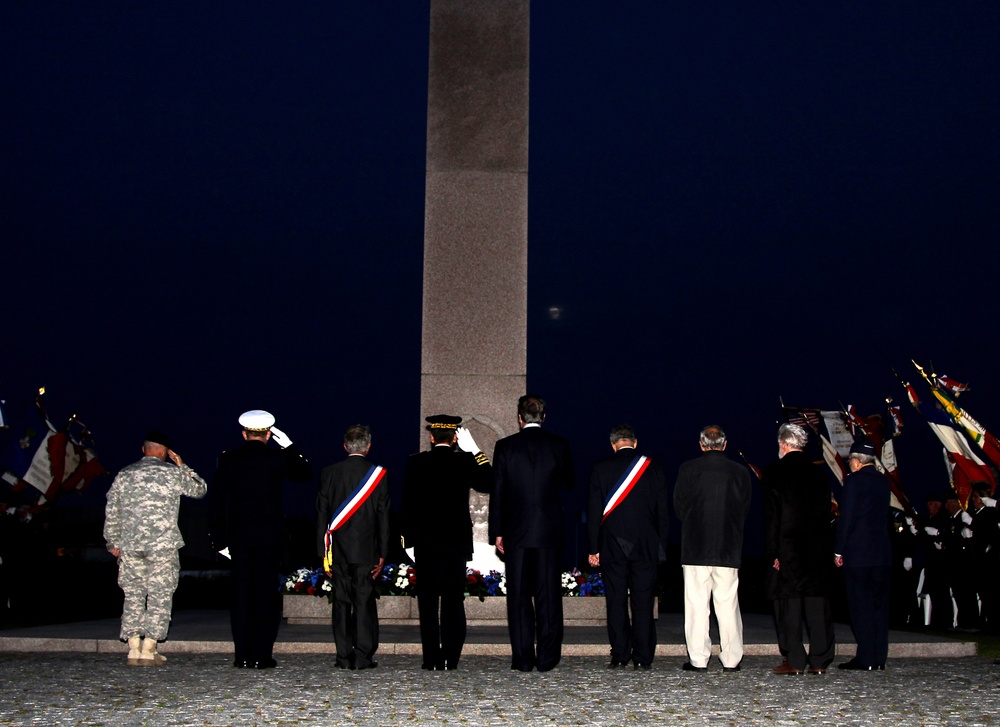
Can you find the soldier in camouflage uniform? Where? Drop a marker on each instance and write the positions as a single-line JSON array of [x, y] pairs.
[[141, 530]]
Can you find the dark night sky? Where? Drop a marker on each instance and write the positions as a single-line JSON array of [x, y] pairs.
[[208, 208]]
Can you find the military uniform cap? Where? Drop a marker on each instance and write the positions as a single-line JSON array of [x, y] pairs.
[[158, 437], [863, 446], [443, 421], [256, 420]]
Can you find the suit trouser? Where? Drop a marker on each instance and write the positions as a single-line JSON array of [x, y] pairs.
[[868, 603], [256, 606], [704, 583], [148, 580], [625, 582], [534, 607], [441, 582], [355, 614], [816, 614]]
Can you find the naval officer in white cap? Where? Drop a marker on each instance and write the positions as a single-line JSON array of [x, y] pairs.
[[250, 522]]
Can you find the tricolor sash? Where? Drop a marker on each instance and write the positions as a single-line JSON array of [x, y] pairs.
[[350, 506], [625, 484]]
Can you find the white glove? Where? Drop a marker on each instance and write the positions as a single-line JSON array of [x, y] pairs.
[[989, 502], [280, 438], [933, 532], [966, 533], [938, 546], [966, 518], [907, 564], [466, 443]]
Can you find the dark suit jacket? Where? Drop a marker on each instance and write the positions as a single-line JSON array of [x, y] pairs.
[[862, 530], [248, 493], [530, 469], [639, 524], [436, 499], [797, 527], [711, 499], [364, 538]]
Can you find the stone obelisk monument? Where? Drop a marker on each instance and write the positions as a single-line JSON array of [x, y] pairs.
[[474, 337]]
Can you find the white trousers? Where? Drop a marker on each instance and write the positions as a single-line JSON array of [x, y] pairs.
[[721, 585]]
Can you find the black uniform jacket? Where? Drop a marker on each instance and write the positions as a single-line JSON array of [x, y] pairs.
[[797, 527], [364, 538], [436, 499], [248, 493], [530, 469], [862, 529], [640, 522], [711, 499]]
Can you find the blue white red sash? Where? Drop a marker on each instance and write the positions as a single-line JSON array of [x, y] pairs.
[[625, 484], [357, 498]]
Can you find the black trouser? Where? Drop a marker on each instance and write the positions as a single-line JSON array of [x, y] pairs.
[[256, 606], [815, 613], [534, 607], [355, 614], [441, 584], [868, 602], [630, 582]]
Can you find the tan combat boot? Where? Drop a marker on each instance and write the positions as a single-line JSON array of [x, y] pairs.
[[148, 655], [134, 643]]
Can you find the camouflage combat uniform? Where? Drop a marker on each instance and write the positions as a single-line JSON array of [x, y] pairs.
[[141, 522]]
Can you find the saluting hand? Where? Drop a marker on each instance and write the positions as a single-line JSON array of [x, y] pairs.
[[174, 457]]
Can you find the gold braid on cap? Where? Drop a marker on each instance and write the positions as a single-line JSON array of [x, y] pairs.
[[257, 429], [444, 426]]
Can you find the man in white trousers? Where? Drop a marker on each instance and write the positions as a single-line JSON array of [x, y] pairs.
[[711, 499]]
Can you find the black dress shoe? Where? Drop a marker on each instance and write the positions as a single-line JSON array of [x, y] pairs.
[[369, 665], [855, 665], [643, 667], [688, 666], [615, 663], [731, 668], [264, 664], [241, 663]]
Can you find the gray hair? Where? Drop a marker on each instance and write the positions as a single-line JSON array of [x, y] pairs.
[[792, 435], [712, 437], [862, 458], [357, 438], [622, 431]]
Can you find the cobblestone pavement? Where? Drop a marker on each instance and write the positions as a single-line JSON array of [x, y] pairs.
[[204, 689]]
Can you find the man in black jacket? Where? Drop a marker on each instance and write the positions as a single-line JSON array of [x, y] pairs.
[[530, 469], [353, 535], [865, 553], [798, 547], [627, 521], [711, 499], [250, 522], [438, 526]]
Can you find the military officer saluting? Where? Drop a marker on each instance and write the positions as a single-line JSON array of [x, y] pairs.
[[141, 530], [250, 522], [437, 523]]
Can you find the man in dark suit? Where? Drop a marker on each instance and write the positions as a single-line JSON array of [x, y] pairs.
[[865, 552], [250, 522], [353, 537], [530, 470], [627, 521], [438, 526], [712, 498], [798, 547]]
